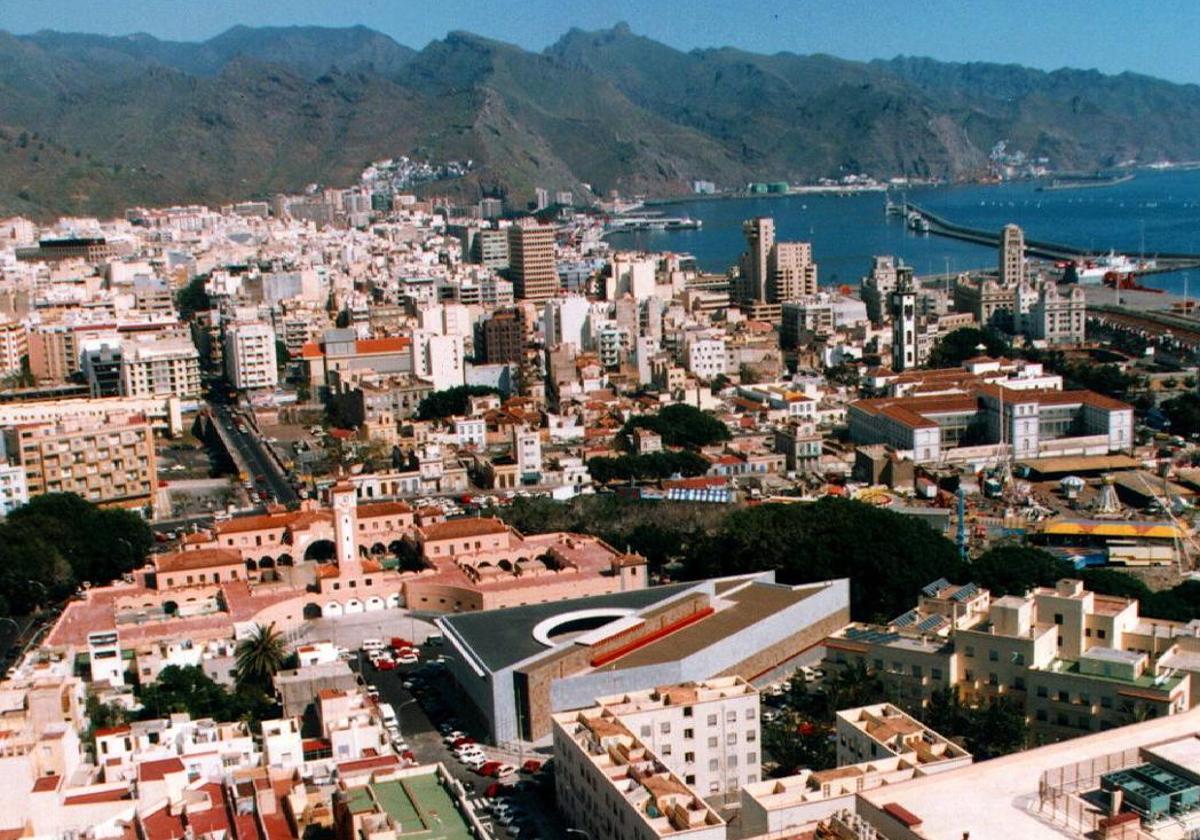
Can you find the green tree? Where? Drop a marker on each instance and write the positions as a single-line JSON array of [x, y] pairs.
[[650, 466], [795, 743], [259, 656], [962, 344], [1115, 582], [1184, 413], [1015, 569], [679, 424], [886, 555], [192, 298], [189, 689], [451, 401]]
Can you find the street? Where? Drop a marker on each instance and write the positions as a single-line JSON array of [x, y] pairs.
[[253, 451], [433, 697]]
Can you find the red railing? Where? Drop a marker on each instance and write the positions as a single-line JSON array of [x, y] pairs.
[[642, 641]]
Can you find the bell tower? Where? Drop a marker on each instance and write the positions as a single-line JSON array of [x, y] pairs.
[[345, 526]]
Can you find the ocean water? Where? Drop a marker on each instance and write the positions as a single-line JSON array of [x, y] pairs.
[[1156, 211]]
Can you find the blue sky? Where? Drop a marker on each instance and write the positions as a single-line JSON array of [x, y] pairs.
[[1156, 38]]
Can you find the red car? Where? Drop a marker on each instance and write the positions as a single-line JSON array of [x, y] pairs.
[[385, 665], [408, 755], [531, 766], [399, 643], [495, 789], [489, 768], [458, 742]]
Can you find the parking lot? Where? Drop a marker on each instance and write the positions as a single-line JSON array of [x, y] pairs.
[[429, 700]]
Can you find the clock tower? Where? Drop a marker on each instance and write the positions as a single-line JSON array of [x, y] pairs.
[[345, 526]]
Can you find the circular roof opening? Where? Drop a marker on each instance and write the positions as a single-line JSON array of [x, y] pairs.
[[551, 631]]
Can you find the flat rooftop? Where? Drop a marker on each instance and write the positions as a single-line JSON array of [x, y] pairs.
[[419, 806], [997, 799], [500, 638], [749, 605]]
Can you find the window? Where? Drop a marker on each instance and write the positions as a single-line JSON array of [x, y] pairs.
[[993, 656], [1058, 618], [689, 779], [1062, 720], [969, 675], [878, 664], [917, 671], [1101, 633], [969, 651], [751, 735], [731, 760], [712, 720], [688, 711], [1105, 702], [936, 673], [1085, 698], [713, 765], [646, 730], [752, 758], [1064, 697], [1019, 683], [689, 757], [1041, 715], [689, 733], [750, 713], [665, 727], [666, 749], [712, 743], [731, 738], [731, 717]]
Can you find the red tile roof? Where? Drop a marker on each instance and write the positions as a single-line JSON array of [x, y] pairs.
[[460, 528], [47, 784], [152, 771], [200, 558]]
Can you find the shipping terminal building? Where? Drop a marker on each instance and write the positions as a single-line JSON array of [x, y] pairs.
[[519, 666]]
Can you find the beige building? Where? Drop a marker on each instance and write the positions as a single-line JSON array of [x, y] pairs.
[[773, 272], [1075, 661], [531, 261], [168, 367], [1012, 256], [104, 461]]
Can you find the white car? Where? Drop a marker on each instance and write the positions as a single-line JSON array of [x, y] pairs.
[[505, 770], [453, 735], [474, 760]]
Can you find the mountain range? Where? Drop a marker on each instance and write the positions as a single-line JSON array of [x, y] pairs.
[[91, 124]]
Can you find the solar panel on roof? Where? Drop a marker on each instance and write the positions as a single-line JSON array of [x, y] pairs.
[[905, 619], [964, 593], [932, 623], [934, 588]]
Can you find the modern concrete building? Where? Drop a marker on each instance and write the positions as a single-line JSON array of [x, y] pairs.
[[250, 361], [167, 367], [773, 272], [519, 666]]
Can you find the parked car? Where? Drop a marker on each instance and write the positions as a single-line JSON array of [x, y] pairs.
[[489, 768], [383, 664], [504, 770], [531, 766]]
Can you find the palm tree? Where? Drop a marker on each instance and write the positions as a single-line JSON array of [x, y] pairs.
[[260, 655]]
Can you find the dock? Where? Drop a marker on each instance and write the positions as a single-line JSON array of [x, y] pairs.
[[938, 226]]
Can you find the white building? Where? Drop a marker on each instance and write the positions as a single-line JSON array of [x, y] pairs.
[[250, 361], [167, 367], [565, 321], [706, 357], [438, 359], [14, 492]]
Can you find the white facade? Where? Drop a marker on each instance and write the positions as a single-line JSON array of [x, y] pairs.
[[438, 359], [565, 320], [250, 361], [706, 357], [162, 368], [14, 492]]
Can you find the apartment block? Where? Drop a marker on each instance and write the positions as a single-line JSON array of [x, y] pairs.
[[707, 732], [14, 491], [104, 461], [250, 361], [167, 367]]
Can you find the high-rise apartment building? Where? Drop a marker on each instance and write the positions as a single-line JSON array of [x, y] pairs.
[[531, 261], [1012, 256], [250, 361], [773, 272]]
